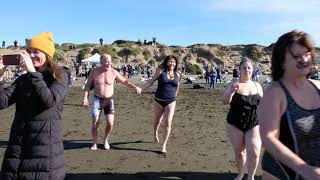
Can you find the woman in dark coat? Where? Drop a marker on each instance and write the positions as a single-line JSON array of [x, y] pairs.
[[35, 147]]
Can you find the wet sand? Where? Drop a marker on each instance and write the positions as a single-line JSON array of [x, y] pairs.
[[198, 147]]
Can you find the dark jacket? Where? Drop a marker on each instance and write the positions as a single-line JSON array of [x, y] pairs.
[[35, 147]]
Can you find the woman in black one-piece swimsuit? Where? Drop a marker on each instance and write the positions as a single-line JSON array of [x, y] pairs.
[[242, 126]]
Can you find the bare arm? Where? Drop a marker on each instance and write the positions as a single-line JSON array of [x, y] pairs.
[[178, 84], [87, 88], [229, 92], [151, 81], [124, 81], [271, 108]]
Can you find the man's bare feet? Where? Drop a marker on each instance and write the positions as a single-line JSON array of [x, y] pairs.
[[93, 147], [106, 146]]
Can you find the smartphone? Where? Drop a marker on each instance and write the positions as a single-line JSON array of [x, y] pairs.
[[235, 80], [11, 59]]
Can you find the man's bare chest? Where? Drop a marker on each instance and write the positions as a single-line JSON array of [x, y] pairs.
[[104, 78]]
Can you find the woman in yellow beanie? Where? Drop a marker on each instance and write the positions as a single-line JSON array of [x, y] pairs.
[[35, 147]]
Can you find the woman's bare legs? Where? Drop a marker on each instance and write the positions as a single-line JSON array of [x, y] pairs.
[[158, 111], [167, 118], [253, 147], [237, 139]]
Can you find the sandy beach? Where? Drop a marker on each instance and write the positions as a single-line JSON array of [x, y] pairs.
[[198, 147]]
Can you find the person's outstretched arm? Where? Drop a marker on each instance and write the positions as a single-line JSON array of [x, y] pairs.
[[179, 76], [126, 82], [152, 80]]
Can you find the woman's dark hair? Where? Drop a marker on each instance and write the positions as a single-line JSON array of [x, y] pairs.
[[164, 64], [284, 44]]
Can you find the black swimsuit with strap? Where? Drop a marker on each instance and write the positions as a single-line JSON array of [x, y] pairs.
[[243, 111]]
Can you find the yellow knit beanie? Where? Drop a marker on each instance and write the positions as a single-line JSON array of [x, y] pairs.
[[43, 42]]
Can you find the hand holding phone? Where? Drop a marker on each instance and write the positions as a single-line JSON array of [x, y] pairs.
[[2, 68], [235, 84]]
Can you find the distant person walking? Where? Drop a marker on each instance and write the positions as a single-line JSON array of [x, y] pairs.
[[242, 127], [165, 97], [102, 80], [15, 43], [256, 74], [101, 41], [289, 113], [219, 74], [207, 75], [154, 41], [130, 69], [125, 70], [212, 77], [148, 71]]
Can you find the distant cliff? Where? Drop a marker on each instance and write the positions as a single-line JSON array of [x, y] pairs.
[[197, 55]]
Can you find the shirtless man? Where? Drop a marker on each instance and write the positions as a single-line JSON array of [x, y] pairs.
[[101, 80]]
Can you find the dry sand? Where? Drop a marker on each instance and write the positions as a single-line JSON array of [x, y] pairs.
[[198, 147]]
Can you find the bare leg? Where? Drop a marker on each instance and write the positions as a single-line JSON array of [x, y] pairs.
[[158, 111], [108, 129], [167, 117], [253, 146], [94, 132], [238, 144]]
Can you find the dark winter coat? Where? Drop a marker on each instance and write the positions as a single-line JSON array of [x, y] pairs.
[[35, 147]]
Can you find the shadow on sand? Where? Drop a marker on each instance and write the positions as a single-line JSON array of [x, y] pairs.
[[154, 176], [80, 144], [76, 144], [73, 104], [83, 144]]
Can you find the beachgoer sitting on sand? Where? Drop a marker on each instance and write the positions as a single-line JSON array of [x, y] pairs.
[[101, 80], [197, 86]]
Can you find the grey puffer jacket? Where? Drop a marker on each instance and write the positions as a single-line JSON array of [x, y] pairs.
[[35, 147]]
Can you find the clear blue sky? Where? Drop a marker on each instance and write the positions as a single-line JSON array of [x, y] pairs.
[[173, 22]]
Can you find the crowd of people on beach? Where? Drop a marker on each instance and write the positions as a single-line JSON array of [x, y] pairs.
[[127, 70], [284, 119]]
